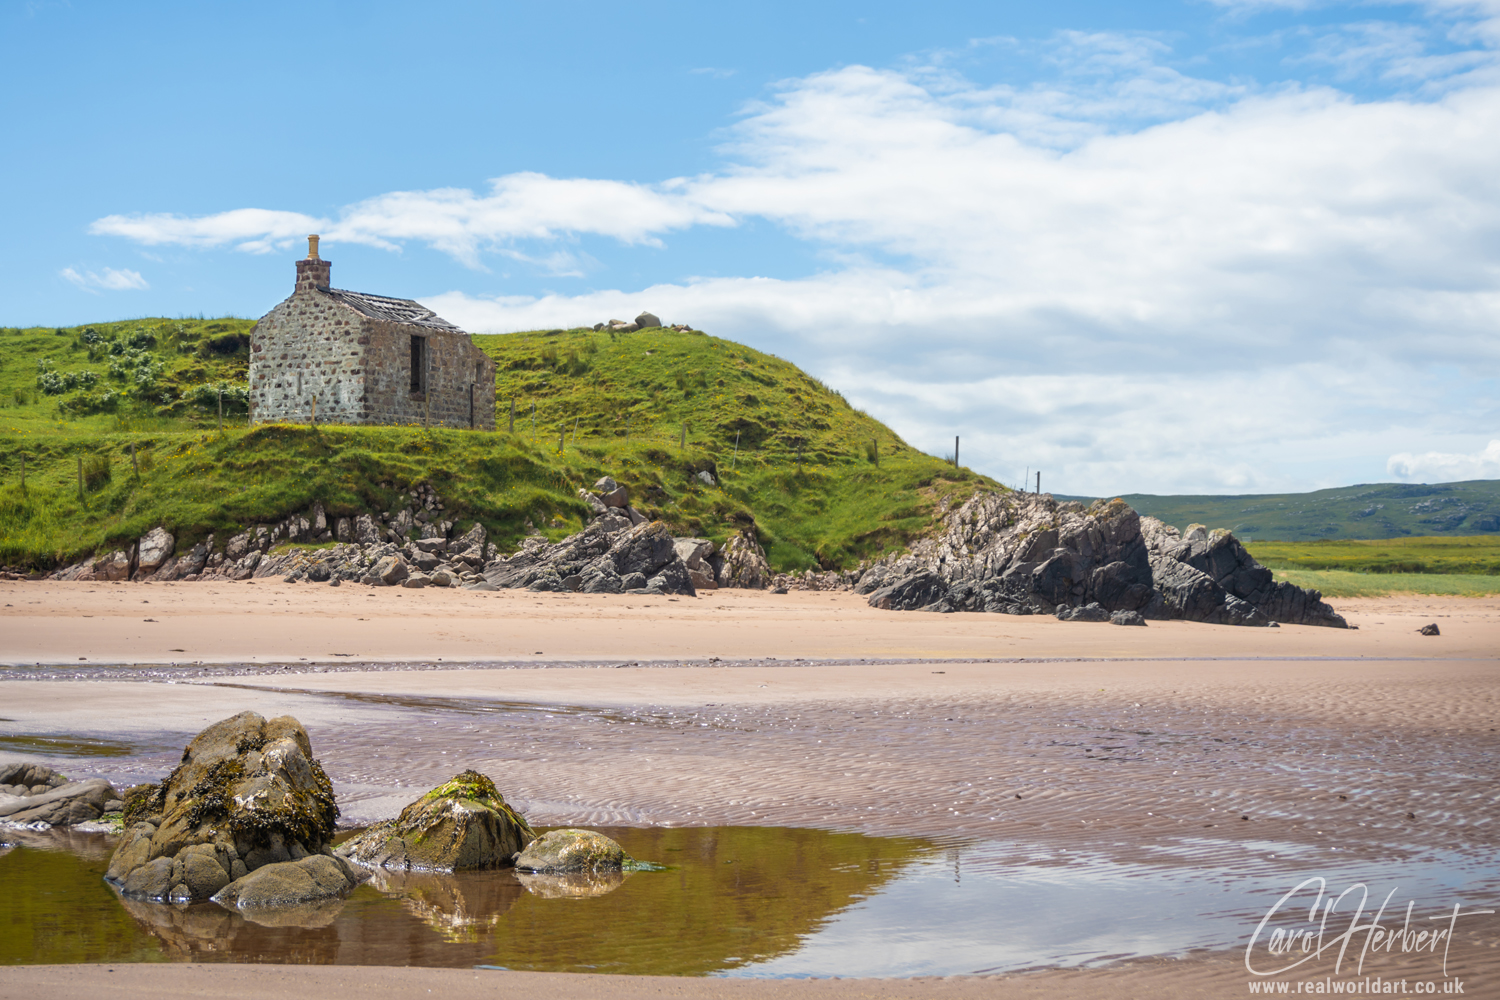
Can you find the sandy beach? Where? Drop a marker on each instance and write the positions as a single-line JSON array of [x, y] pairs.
[[1178, 745]]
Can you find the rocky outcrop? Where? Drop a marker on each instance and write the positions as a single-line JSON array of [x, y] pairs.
[[618, 551], [744, 563], [571, 851], [35, 795], [1024, 553], [247, 794], [461, 825]]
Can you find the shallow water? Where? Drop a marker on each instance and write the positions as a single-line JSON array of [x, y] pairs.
[[736, 901]]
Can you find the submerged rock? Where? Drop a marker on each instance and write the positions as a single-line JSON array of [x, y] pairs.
[[248, 793], [460, 825], [571, 885], [563, 851]]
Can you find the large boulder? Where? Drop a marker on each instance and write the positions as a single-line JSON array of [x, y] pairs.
[[153, 549], [1026, 553], [646, 320], [460, 825], [248, 793], [571, 850]]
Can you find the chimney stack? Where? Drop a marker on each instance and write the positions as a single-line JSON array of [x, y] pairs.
[[312, 272]]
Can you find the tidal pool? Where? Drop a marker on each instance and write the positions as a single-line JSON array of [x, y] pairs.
[[735, 901]]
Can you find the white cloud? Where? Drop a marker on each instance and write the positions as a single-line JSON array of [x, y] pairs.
[[1263, 290], [1446, 467], [110, 279]]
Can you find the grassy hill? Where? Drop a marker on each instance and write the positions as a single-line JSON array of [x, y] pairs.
[[1380, 510], [825, 484]]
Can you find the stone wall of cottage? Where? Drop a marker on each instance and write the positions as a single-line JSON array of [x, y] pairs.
[[313, 354], [457, 373], [308, 349]]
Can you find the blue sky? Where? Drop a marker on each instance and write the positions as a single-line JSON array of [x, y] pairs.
[[1158, 247]]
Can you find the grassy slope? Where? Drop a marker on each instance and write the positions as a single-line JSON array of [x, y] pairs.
[[833, 509], [1382, 510]]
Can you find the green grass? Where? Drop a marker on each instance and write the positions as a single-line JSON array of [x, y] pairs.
[[826, 484], [1343, 583], [1474, 554]]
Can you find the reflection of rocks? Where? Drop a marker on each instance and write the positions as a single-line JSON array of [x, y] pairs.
[[571, 850], [248, 793], [92, 845], [571, 885], [206, 931], [456, 906], [460, 825]]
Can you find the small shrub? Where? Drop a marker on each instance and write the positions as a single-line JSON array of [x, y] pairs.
[[96, 472]]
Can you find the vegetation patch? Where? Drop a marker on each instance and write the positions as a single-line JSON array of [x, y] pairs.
[[1471, 555]]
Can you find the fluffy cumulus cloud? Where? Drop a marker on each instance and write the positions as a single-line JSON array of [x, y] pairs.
[[108, 279], [1442, 467], [1131, 277]]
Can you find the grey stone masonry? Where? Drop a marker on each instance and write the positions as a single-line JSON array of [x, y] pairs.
[[354, 358]]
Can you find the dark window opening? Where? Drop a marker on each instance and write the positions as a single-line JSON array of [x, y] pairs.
[[418, 364]]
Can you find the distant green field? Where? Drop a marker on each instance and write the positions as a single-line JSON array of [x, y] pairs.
[[1470, 555], [1342, 583], [1378, 510]]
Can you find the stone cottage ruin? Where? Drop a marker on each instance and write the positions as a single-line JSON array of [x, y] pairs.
[[335, 356]]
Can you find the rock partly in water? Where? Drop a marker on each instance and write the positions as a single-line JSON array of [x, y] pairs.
[[571, 851], [460, 825], [33, 793], [571, 885], [248, 793], [1026, 553], [291, 883]]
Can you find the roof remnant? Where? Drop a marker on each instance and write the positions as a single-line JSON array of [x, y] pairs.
[[393, 310]]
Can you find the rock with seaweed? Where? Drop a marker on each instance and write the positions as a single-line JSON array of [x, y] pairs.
[[1026, 553], [248, 793], [315, 878], [461, 825]]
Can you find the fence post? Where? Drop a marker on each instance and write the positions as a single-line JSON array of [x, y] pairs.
[[682, 441], [562, 433], [533, 422], [576, 418], [314, 414], [512, 428], [955, 451], [221, 415], [875, 450], [1039, 480]]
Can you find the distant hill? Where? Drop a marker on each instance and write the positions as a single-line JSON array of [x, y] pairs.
[[1379, 510]]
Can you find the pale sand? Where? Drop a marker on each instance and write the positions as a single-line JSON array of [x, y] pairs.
[[1320, 736]]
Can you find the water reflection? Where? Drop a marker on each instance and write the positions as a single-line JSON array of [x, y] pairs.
[[729, 897]]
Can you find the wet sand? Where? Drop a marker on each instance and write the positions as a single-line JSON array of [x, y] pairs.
[[1176, 744]]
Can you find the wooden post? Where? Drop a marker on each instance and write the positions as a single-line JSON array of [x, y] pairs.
[[682, 441], [562, 433], [221, 413], [875, 450], [576, 418], [799, 456], [955, 451], [512, 428], [80, 477], [533, 421], [135, 470], [736, 457], [314, 414], [1039, 480]]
